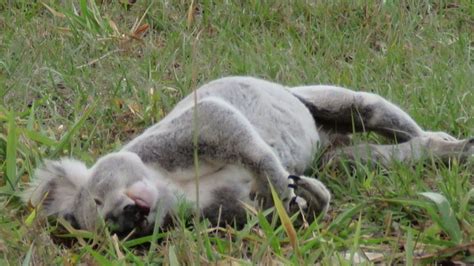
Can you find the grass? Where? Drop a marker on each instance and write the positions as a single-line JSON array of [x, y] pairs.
[[80, 78]]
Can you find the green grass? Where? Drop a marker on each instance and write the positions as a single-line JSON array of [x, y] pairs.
[[81, 79]]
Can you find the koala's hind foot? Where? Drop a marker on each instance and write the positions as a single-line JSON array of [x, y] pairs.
[[416, 149]]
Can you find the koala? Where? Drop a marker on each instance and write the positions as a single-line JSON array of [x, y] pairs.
[[240, 135]]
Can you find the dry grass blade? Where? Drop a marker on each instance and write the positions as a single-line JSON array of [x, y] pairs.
[[249, 208], [119, 253], [54, 12], [447, 252], [139, 21], [190, 16], [114, 27], [140, 31], [285, 220], [100, 58]]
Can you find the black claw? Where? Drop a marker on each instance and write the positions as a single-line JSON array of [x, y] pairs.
[[293, 200], [293, 186], [252, 195], [294, 177]]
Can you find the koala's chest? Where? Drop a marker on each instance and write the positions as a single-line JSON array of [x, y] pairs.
[[222, 194], [225, 184]]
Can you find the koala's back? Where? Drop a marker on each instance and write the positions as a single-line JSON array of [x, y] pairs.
[[276, 114]]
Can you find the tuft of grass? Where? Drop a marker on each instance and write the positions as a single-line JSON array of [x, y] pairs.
[[80, 78]]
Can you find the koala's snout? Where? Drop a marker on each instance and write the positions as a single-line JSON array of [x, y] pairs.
[[136, 211], [133, 216]]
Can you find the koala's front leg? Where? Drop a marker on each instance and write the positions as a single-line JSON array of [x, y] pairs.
[[224, 136]]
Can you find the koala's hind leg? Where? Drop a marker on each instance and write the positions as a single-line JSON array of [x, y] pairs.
[[342, 110], [408, 152], [224, 136]]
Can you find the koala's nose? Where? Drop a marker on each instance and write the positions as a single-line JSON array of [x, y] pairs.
[[136, 211], [133, 216]]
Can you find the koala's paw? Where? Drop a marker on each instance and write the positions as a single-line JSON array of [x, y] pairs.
[[298, 202], [311, 196], [294, 200]]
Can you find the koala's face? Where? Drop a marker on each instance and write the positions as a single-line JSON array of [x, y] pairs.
[[119, 189]]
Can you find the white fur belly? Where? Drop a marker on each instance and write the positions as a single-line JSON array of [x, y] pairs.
[[230, 176], [184, 175]]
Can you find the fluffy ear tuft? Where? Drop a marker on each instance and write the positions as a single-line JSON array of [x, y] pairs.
[[56, 185]]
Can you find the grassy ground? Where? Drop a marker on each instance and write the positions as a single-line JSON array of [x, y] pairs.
[[82, 79]]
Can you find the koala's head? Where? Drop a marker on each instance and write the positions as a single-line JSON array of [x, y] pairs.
[[119, 189]]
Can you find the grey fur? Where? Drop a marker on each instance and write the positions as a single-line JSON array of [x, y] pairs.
[[225, 208], [249, 132]]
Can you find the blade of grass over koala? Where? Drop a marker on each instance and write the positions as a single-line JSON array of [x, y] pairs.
[[156, 235], [12, 138]]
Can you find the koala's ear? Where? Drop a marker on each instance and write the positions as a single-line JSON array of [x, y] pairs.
[[55, 186]]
